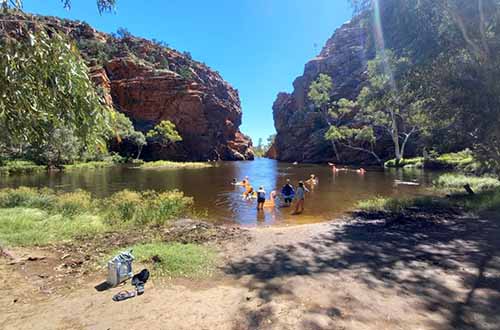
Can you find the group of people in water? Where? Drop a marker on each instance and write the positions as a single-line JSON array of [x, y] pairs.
[[288, 192]]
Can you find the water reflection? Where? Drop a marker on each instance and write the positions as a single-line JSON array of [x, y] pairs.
[[213, 193]]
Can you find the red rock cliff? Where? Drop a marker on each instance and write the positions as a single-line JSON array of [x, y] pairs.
[[150, 82]]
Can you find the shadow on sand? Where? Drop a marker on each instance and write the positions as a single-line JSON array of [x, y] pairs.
[[406, 256]]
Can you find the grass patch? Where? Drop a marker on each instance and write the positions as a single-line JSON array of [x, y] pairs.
[[411, 162], [484, 201], [90, 165], [41, 216], [29, 227], [20, 167], [461, 161], [454, 183], [146, 208], [487, 197], [175, 259], [397, 205], [169, 164]]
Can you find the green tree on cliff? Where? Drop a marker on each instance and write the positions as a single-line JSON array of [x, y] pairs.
[[386, 104], [332, 112], [165, 132]]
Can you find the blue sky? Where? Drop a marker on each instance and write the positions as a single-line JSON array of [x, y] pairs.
[[259, 46]]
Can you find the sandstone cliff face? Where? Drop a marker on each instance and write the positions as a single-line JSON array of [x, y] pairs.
[[150, 82], [300, 130]]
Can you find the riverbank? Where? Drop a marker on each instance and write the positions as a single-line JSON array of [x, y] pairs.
[[24, 167], [430, 264], [430, 272]]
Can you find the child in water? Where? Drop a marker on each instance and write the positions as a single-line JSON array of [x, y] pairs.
[[313, 180], [300, 194], [261, 198]]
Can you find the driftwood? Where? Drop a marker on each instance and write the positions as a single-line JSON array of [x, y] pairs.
[[469, 190]]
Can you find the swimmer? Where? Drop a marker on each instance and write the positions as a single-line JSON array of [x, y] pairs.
[[334, 167], [361, 171], [261, 198], [249, 193], [312, 180]]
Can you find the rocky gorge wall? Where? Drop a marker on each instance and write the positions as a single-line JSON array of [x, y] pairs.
[[150, 82], [300, 128]]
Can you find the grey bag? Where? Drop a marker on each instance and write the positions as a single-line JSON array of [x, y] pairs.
[[120, 268]]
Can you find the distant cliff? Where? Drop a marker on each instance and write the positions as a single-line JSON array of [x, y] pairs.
[[300, 129], [150, 82]]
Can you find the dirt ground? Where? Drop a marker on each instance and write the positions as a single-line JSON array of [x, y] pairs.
[[429, 272]]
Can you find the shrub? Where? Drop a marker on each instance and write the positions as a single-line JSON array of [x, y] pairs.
[[27, 197], [146, 208], [123, 206], [71, 204], [161, 207]]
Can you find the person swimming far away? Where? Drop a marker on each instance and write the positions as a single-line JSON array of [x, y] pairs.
[[300, 196]]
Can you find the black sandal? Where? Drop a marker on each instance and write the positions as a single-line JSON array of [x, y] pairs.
[[124, 295]]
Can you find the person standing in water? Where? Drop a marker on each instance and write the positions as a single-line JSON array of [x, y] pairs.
[[313, 181], [300, 195], [261, 198], [288, 193]]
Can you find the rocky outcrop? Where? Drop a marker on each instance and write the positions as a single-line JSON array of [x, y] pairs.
[[150, 82], [206, 112], [300, 129]]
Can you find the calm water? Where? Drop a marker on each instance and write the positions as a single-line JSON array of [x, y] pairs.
[[214, 194]]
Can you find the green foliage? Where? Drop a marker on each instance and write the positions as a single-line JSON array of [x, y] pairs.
[[400, 206], [320, 89], [29, 227], [20, 167], [261, 149], [185, 72], [165, 132], [61, 216], [60, 148], [455, 65], [146, 208], [174, 165], [386, 102], [124, 132], [45, 87], [123, 33], [454, 183], [175, 259], [417, 162]]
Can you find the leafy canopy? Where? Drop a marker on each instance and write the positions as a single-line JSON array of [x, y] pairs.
[[166, 132], [45, 85]]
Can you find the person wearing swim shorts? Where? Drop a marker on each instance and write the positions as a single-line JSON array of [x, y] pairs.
[[261, 198]]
